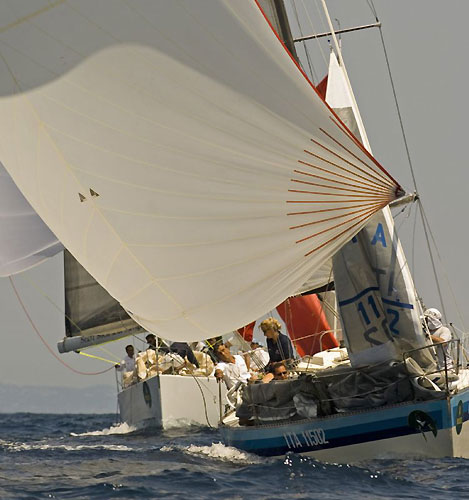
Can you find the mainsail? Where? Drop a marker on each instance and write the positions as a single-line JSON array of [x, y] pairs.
[[178, 152], [377, 302], [92, 316]]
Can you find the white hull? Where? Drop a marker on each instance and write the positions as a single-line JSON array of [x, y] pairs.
[[411, 447], [168, 400]]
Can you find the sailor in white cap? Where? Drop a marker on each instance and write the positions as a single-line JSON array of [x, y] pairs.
[[439, 334]]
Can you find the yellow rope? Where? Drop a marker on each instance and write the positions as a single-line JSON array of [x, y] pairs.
[[96, 357]]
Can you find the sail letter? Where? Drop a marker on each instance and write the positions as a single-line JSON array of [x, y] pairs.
[[379, 235]]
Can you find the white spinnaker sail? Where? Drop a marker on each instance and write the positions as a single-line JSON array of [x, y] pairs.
[[25, 240], [179, 154]]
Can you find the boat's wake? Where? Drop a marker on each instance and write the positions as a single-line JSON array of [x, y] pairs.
[[176, 423], [121, 428], [217, 451]]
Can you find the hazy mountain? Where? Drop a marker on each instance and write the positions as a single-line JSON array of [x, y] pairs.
[[38, 399]]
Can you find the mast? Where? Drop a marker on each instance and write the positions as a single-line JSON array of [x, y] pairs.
[[377, 300], [356, 111], [277, 15]]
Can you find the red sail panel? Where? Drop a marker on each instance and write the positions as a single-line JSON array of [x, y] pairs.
[[307, 324], [247, 332], [321, 87]]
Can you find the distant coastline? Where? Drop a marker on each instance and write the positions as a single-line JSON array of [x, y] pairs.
[[48, 399]]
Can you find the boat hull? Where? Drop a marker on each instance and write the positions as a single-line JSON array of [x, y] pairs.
[[171, 400], [435, 428]]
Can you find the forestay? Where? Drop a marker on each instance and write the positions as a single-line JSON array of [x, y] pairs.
[[179, 153]]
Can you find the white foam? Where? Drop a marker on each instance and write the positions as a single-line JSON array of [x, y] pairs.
[[44, 446], [218, 451], [174, 423], [122, 428]]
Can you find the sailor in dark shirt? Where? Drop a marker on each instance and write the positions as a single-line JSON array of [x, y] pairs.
[[279, 345], [184, 350], [156, 344], [211, 346]]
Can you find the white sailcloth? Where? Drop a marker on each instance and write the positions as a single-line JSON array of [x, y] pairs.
[[377, 301], [25, 240], [178, 152]]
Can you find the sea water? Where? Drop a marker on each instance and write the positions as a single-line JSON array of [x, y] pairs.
[[90, 456]]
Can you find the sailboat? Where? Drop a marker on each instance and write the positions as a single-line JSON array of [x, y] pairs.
[[384, 404], [181, 155]]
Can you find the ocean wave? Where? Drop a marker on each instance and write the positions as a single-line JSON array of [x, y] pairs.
[[217, 451], [17, 446], [122, 428], [176, 423]]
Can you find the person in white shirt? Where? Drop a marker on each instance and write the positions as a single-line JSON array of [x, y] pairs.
[[128, 363], [439, 334], [230, 368]]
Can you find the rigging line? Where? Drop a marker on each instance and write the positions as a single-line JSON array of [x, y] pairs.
[[100, 347], [60, 310], [118, 388], [372, 8], [314, 76], [444, 270], [203, 399], [396, 102], [44, 341], [432, 260], [414, 233], [313, 30], [322, 20], [47, 297], [96, 357]]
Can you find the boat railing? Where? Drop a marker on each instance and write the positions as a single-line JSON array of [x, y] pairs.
[[454, 348], [316, 334], [464, 338]]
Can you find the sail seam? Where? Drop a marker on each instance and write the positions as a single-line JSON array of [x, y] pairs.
[[362, 220], [334, 227], [365, 182]]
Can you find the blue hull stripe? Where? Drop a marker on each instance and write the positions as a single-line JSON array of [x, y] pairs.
[[375, 425]]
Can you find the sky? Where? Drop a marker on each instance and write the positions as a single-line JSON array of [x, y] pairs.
[[427, 50]]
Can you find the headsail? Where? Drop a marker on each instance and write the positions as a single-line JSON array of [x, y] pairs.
[[25, 240], [179, 153], [375, 292]]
